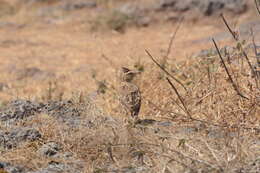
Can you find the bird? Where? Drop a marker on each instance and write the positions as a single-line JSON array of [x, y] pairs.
[[129, 93]]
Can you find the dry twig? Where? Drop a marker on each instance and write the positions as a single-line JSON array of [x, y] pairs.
[[163, 69], [236, 38], [257, 8], [180, 98], [229, 75], [173, 37]]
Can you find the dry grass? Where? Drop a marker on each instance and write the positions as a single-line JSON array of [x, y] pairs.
[[217, 132]]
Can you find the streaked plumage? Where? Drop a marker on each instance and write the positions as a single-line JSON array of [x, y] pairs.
[[129, 93]]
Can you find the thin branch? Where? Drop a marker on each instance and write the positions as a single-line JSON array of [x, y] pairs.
[[173, 37], [254, 44], [253, 40], [180, 98], [257, 8], [236, 38], [110, 152], [229, 29], [254, 73], [163, 69], [229, 76], [162, 110], [111, 63]]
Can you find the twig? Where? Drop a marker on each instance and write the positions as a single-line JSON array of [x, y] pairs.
[[162, 110], [185, 156], [212, 152], [229, 76], [236, 38], [230, 30], [111, 63], [254, 73], [173, 37], [255, 49], [253, 41], [163, 69], [110, 153], [257, 8], [180, 98]]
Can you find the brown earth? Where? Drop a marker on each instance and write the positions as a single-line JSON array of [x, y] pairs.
[[64, 46], [56, 55]]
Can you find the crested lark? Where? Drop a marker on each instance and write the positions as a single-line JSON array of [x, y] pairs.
[[129, 93]]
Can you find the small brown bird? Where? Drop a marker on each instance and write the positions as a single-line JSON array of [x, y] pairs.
[[129, 93]]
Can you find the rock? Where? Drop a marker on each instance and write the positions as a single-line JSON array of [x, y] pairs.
[[49, 149], [253, 167], [206, 7], [11, 139], [19, 109], [145, 122], [209, 7], [9, 168], [143, 21], [129, 9], [61, 109], [165, 123], [175, 5], [56, 167], [76, 5], [236, 6], [135, 13], [65, 111]]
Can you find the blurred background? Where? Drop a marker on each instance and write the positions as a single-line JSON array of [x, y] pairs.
[[72, 41]]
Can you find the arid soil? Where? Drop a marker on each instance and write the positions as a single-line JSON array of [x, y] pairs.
[[59, 110]]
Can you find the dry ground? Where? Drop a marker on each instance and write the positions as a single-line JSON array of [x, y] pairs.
[[57, 56]]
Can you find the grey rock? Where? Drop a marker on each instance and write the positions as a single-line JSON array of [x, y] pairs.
[[236, 6], [253, 167], [19, 109], [165, 124], [129, 9], [206, 7], [136, 13], [188, 130], [64, 111], [134, 169], [175, 5], [64, 156], [209, 7], [61, 109], [216, 133], [8, 167], [76, 5], [49, 149], [11, 139], [143, 21], [56, 167]]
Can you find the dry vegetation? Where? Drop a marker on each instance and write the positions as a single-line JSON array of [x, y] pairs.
[[198, 113]]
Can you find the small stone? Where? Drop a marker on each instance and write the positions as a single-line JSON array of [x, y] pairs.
[[49, 149]]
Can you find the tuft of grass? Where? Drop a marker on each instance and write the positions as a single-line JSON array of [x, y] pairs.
[[113, 20]]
